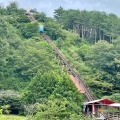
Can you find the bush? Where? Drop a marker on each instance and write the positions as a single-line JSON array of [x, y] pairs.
[[11, 98]]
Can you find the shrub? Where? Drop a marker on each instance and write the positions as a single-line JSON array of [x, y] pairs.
[[11, 98]]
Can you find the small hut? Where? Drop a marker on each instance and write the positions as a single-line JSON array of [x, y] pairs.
[[102, 109]]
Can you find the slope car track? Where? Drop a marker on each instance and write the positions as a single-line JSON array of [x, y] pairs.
[[73, 74], [82, 87]]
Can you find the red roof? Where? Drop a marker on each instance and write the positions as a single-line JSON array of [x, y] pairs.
[[107, 101], [103, 101]]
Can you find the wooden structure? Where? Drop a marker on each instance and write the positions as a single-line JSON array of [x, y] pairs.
[[102, 109], [79, 87]]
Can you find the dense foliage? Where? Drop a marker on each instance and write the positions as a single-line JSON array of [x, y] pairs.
[[55, 110], [95, 55], [88, 39], [90, 25], [12, 99], [21, 59], [54, 89]]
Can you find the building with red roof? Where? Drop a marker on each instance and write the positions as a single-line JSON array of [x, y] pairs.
[[102, 109]]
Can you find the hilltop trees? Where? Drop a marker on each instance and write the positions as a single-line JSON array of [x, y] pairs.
[[58, 14], [53, 30], [99, 63], [12, 8], [93, 25]]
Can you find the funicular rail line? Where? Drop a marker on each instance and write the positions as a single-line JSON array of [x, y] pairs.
[[84, 86], [87, 93]]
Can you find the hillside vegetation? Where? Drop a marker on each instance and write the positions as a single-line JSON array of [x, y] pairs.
[[32, 82], [95, 53]]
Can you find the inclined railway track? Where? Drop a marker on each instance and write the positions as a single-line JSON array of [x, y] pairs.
[[71, 69], [87, 92]]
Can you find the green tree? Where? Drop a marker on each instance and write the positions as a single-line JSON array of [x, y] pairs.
[[55, 109], [58, 14], [30, 29], [12, 8], [53, 85], [52, 110], [101, 58], [41, 17], [11, 100], [2, 10], [53, 30]]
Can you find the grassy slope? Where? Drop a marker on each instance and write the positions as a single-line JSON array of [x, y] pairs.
[[12, 117]]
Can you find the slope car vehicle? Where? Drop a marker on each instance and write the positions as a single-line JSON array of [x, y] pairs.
[[41, 28]]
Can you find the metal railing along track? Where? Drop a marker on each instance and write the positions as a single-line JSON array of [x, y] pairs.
[[84, 86], [88, 92]]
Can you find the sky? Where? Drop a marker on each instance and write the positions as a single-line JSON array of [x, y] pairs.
[[48, 6]]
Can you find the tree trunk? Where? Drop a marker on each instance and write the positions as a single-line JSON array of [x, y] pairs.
[[79, 28], [72, 25], [90, 32], [82, 32], [103, 36], [95, 35], [111, 39], [99, 34]]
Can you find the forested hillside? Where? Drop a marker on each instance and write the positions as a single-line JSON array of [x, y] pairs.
[[29, 70], [95, 55]]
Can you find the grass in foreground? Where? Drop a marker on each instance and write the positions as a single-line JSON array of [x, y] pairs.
[[12, 117]]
